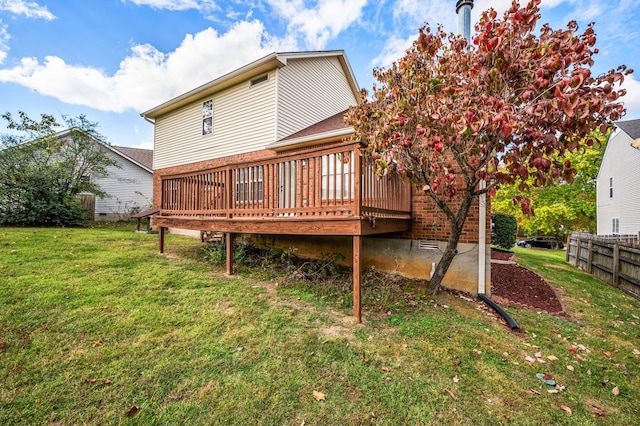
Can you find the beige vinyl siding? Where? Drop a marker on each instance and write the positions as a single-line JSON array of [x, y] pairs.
[[622, 163], [310, 90], [243, 120]]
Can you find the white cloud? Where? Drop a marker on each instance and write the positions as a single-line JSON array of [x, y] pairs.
[[176, 4], [4, 38], [393, 50], [632, 98], [29, 9], [148, 77], [321, 23]]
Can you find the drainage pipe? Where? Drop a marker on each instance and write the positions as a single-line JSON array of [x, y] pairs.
[[510, 321]]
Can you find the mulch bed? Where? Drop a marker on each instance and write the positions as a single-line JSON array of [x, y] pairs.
[[515, 285]]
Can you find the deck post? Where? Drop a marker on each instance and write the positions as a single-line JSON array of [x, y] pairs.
[[161, 239], [357, 275], [229, 243]]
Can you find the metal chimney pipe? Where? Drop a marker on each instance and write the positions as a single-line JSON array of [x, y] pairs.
[[464, 18]]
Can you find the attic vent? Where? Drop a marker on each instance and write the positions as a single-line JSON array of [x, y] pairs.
[[260, 79], [428, 245]]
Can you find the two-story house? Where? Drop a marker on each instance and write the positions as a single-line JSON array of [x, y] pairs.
[[264, 151], [618, 186]]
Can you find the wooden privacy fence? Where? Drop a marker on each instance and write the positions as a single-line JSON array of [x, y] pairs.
[[614, 260]]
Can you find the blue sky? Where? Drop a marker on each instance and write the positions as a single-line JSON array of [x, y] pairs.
[[112, 59]]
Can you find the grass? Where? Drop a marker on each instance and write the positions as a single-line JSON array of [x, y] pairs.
[[95, 322]]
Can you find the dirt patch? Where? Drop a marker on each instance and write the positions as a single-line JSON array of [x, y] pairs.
[[514, 284]]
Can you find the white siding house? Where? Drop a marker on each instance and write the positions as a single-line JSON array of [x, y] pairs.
[[618, 187], [129, 187]]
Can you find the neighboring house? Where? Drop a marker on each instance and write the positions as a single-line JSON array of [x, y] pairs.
[[129, 187], [264, 152], [618, 193]]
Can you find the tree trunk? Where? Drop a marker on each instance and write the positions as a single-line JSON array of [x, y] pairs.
[[456, 224]]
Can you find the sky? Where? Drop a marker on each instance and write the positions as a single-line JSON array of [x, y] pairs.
[[113, 59]]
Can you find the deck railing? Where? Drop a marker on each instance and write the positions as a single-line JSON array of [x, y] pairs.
[[320, 182]]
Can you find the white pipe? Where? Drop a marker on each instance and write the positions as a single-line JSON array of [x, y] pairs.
[[482, 238]]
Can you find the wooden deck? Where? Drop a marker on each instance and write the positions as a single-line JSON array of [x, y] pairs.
[[318, 191]]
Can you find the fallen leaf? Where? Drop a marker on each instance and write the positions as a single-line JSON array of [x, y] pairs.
[[607, 354], [385, 369], [456, 379], [533, 391], [476, 352], [570, 367], [91, 380], [97, 343], [615, 391], [133, 410], [567, 409], [404, 346], [589, 372], [451, 394], [364, 359], [529, 359], [636, 352], [538, 354], [239, 348], [553, 391], [106, 382], [552, 358], [319, 396], [456, 362], [573, 351]]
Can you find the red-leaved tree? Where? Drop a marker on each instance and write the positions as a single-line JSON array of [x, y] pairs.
[[450, 116]]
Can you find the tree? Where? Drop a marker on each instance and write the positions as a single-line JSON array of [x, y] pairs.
[[450, 116], [561, 207], [42, 171]]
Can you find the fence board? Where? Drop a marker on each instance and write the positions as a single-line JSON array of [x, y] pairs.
[[614, 261]]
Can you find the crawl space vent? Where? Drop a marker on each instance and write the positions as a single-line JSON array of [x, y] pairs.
[[428, 245]]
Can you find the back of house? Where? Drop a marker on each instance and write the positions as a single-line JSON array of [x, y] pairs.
[[263, 151]]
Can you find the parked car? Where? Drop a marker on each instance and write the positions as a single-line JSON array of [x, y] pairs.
[[542, 242]]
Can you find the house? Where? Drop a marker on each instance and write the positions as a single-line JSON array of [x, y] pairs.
[[264, 152], [618, 185], [129, 186]]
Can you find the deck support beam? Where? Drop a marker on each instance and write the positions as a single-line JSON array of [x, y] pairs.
[[161, 239], [229, 250], [357, 275]]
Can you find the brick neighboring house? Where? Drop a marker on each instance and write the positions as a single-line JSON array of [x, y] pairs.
[[264, 152]]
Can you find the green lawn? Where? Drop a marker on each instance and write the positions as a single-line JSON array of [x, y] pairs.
[[94, 322]]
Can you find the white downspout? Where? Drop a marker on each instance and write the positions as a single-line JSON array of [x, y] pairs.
[[482, 238]]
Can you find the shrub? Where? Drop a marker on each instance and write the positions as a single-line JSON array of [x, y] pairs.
[[505, 228]]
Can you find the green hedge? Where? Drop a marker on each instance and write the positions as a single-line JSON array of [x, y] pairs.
[[504, 230]]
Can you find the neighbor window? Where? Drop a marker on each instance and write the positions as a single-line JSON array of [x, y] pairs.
[[610, 187], [615, 225], [207, 117]]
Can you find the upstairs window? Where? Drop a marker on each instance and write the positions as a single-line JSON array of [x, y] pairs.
[[610, 187], [207, 117]]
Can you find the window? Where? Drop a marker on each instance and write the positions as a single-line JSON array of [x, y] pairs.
[[337, 176], [249, 184], [610, 187], [207, 117], [615, 225]]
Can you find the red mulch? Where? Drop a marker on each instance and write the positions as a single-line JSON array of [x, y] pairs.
[[513, 284]]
